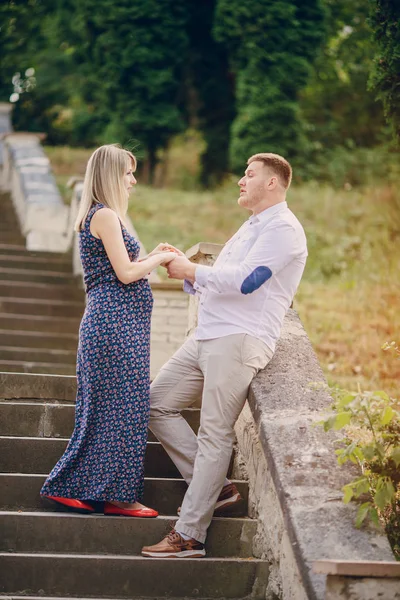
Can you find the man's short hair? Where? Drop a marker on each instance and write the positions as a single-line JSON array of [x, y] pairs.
[[277, 164]]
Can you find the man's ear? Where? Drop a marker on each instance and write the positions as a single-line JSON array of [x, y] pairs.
[[272, 183]]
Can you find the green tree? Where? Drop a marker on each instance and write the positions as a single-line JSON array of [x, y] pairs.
[[272, 44], [135, 52], [210, 91], [385, 78], [338, 107]]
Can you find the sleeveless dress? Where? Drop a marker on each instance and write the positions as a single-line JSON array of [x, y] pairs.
[[104, 459]]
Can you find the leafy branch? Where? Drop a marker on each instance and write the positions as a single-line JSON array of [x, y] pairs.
[[371, 422]]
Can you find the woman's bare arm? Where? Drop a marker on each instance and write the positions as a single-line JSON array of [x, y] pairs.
[[106, 226]]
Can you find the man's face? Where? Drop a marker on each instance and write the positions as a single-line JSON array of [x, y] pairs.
[[254, 185]]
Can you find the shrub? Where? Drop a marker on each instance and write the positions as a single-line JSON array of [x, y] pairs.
[[371, 422]]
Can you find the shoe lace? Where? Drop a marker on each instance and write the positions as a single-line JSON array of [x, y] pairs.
[[173, 536]]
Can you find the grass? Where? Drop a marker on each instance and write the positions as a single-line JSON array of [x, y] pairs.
[[348, 300]]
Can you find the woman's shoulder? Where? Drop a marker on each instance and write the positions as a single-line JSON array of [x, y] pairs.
[[103, 214]]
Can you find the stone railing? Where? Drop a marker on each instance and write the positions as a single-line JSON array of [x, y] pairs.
[[294, 479], [27, 175]]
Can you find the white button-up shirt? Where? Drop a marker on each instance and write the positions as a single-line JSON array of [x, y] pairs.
[[252, 283]]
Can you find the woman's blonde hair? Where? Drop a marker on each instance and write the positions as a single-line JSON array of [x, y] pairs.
[[103, 183]]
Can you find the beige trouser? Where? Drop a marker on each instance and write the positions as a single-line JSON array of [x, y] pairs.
[[219, 370]]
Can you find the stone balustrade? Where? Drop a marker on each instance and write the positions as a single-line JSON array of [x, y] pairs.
[[27, 175]]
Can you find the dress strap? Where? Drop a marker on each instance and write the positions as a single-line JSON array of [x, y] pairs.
[[90, 214]]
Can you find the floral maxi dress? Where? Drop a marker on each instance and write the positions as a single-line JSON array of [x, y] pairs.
[[104, 459]]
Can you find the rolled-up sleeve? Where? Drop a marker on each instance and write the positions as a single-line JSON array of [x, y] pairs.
[[271, 252]]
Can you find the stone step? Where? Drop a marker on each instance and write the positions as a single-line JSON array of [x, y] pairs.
[[22, 251], [50, 308], [20, 491], [34, 355], [20, 261], [43, 291], [26, 386], [15, 597], [39, 455], [42, 368], [44, 419], [13, 237], [131, 576], [16, 386], [37, 276], [37, 339], [43, 324], [98, 534], [9, 220]]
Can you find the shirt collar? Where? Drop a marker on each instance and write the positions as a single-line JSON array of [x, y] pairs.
[[268, 213]]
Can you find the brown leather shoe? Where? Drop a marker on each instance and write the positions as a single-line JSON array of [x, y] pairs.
[[228, 502], [174, 546]]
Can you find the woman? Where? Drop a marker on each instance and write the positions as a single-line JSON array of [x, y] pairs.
[[104, 460]]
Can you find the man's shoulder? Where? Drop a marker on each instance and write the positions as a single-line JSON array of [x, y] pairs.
[[284, 219]]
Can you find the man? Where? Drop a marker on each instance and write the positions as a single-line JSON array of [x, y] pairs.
[[244, 297]]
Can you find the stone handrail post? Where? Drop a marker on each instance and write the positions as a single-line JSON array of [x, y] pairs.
[[5, 127], [201, 254]]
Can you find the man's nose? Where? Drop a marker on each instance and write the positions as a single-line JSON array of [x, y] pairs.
[[241, 181]]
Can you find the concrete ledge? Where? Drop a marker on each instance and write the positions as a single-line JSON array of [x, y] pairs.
[[295, 481], [359, 568]]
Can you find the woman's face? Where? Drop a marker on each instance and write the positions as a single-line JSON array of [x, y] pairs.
[[129, 178]]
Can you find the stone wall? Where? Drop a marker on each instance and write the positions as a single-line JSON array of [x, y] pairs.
[[168, 322]]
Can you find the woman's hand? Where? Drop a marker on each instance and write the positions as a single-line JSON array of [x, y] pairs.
[[165, 247], [166, 257]]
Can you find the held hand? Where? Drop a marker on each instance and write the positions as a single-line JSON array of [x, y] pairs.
[[165, 247], [166, 257], [181, 268]]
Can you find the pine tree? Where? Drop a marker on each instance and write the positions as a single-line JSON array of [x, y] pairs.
[[385, 78], [135, 51], [209, 81], [272, 44]]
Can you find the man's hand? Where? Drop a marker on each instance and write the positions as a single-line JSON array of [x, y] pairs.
[[181, 268]]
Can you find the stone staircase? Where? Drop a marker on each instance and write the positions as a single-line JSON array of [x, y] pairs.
[[46, 552], [40, 304]]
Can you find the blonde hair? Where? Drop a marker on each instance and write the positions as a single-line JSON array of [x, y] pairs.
[[277, 164], [103, 183]]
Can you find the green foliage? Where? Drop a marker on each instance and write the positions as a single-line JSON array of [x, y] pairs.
[[271, 46], [385, 78], [339, 108], [372, 422], [135, 52], [210, 92]]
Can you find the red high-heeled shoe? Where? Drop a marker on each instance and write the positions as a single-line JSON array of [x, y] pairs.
[[77, 505], [112, 509]]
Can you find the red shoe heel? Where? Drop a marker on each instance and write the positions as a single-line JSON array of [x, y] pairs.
[[76, 505]]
